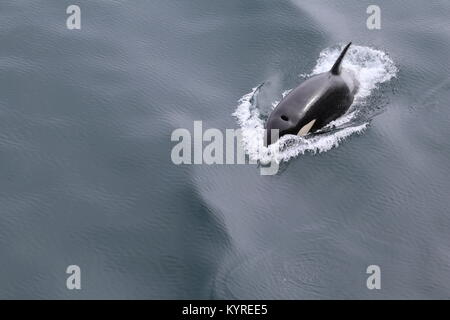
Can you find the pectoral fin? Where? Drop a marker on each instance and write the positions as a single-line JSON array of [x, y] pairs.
[[306, 128]]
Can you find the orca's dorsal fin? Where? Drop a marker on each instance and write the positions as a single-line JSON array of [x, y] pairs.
[[336, 70]]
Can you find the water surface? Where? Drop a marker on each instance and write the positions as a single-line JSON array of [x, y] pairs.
[[86, 176]]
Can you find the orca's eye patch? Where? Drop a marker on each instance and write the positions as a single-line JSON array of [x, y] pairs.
[[285, 118]]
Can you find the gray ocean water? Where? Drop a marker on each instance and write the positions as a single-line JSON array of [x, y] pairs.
[[86, 176]]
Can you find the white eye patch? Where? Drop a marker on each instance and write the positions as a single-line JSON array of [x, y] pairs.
[[306, 128]]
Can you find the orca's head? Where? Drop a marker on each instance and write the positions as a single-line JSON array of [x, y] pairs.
[[286, 119], [279, 124]]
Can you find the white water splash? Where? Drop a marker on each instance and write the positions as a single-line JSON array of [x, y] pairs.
[[285, 93], [371, 67]]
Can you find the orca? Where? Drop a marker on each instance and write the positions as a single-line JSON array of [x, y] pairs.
[[314, 103]]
